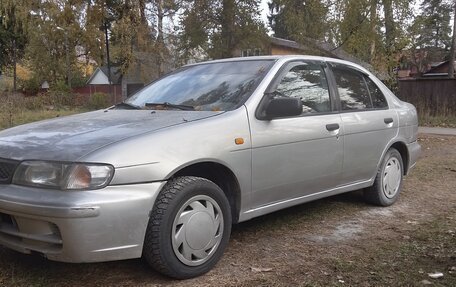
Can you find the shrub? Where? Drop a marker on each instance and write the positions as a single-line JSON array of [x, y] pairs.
[[30, 86], [98, 101], [34, 103], [60, 95], [6, 83]]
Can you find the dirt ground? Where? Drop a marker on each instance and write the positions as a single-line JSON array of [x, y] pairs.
[[338, 241]]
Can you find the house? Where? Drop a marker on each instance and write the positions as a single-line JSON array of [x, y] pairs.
[[417, 63], [122, 86], [439, 69], [144, 68], [99, 83]]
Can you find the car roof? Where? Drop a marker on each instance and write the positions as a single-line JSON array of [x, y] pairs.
[[284, 58]]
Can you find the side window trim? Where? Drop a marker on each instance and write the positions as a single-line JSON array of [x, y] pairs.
[[333, 92], [370, 94]]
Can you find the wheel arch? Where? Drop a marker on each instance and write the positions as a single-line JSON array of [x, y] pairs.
[[401, 147], [222, 176]]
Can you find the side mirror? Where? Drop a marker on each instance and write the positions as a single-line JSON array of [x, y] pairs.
[[283, 107]]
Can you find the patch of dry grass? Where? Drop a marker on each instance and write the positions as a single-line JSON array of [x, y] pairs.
[[443, 122], [17, 110]]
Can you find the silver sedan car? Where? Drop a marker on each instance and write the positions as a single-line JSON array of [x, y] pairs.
[[166, 173]]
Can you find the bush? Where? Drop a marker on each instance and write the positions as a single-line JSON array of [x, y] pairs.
[[34, 103], [98, 101], [6, 83], [30, 86], [60, 95]]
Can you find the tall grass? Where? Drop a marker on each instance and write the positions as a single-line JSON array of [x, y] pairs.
[[17, 109]]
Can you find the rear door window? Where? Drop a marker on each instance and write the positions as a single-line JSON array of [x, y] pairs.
[[353, 91]]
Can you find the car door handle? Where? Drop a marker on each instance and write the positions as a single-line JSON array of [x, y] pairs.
[[332, 127], [388, 120]]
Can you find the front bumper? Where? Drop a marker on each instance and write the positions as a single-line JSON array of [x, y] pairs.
[[77, 226]]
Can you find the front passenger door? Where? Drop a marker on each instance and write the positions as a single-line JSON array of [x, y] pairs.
[[297, 156]]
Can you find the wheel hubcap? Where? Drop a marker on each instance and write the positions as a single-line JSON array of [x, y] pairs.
[[197, 230], [392, 176]]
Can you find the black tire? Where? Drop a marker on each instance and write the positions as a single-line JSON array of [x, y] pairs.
[[378, 193], [159, 245]]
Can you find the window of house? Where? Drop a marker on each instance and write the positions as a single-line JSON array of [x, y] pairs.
[[251, 52]]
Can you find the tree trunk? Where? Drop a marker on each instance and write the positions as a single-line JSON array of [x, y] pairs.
[[373, 26], [389, 25], [453, 46], [228, 18], [160, 39], [142, 11]]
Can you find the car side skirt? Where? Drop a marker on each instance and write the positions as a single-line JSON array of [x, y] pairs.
[[262, 210]]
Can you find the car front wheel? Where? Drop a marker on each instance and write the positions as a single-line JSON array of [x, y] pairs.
[[388, 182], [189, 228]]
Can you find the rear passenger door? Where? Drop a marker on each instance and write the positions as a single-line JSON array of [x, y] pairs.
[[369, 124]]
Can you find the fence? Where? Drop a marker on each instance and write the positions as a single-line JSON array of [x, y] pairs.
[[434, 97], [87, 91]]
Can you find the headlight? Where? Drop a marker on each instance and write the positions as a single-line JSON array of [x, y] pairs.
[[64, 176]]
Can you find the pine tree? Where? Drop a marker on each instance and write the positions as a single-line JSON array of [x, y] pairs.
[[296, 20], [433, 24], [221, 27]]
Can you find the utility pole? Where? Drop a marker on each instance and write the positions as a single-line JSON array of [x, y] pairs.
[[14, 67], [108, 60], [67, 55], [68, 61]]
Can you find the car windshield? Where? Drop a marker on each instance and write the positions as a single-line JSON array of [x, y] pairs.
[[205, 87]]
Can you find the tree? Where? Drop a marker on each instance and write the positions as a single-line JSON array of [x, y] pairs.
[[372, 30], [356, 28], [295, 20], [231, 25], [433, 24], [12, 38], [57, 30]]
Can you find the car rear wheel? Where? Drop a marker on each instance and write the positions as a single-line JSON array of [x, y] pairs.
[[189, 228], [388, 182]]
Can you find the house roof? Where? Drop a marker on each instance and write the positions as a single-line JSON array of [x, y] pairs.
[[327, 49], [437, 71], [116, 76]]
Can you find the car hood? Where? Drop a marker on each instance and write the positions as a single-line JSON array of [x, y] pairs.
[[70, 138]]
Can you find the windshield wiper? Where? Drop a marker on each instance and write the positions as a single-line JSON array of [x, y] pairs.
[[127, 106], [169, 105]]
